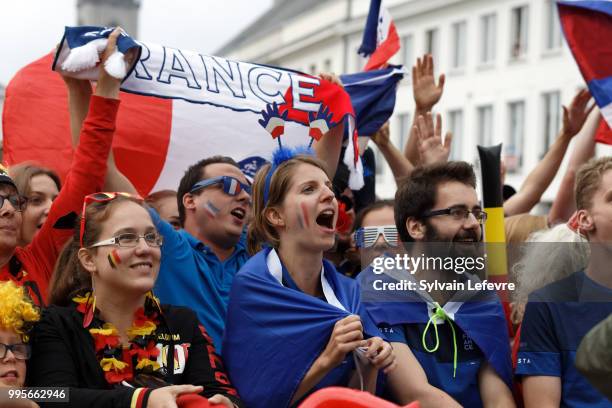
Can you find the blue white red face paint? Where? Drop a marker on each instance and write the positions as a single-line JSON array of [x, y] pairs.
[[303, 219], [211, 209]]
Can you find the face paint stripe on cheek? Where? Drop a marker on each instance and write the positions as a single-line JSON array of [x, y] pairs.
[[304, 215], [114, 259], [211, 209]]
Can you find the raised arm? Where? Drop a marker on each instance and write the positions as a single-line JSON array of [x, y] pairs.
[[426, 94], [86, 174], [542, 175], [79, 94], [328, 148], [564, 204]]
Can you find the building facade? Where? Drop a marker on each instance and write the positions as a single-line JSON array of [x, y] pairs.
[[507, 64], [111, 13]]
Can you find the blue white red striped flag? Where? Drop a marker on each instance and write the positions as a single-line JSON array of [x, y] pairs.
[[380, 39], [586, 25]]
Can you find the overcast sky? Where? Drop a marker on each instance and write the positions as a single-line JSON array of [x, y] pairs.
[[31, 28]]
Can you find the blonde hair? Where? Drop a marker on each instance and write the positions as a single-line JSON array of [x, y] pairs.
[[588, 180], [566, 252], [17, 312], [260, 230]]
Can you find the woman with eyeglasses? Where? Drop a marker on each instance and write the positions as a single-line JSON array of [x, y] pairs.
[[294, 324], [106, 336], [32, 265], [17, 315]]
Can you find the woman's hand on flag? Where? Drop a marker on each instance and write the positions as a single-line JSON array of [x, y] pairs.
[[346, 336], [108, 86]]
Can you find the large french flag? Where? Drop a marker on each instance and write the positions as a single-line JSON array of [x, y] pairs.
[[178, 107], [587, 25], [380, 39]]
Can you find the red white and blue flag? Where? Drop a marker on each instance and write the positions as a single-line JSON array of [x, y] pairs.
[[177, 108], [380, 39], [587, 25]]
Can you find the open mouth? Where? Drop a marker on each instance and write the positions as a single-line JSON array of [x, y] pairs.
[[12, 374], [239, 213], [326, 219]]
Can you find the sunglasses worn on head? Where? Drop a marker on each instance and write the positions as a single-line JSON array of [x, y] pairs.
[[231, 185], [366, 237], [18, 202], [131, 240], [101, 197], [21, 351]]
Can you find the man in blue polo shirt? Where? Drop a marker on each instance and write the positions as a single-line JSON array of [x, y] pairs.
[[559, 315], [199, 261]]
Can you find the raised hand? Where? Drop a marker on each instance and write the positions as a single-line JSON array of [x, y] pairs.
[[331, 77], [577, 113], [381, 137], [426, 92], [320, 122], [273, 121], [108, 86], [431, 147]]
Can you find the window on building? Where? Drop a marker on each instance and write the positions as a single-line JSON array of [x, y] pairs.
[[485, 125], [513, 156], [488, 38], [455, 125], [405, 122], [459, 44], [327, 65], [407, 51], [431, 43], [519, 31], [552, 118], [553, 27]]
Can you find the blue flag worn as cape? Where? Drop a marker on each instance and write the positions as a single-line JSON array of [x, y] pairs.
[[273, 334], [373, 96], [481, 318]]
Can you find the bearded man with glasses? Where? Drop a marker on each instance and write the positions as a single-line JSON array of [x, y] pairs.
[[451, 345]]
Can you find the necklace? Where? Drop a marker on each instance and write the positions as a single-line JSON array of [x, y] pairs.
[[139, 356]]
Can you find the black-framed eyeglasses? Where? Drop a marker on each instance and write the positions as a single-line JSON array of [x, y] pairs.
[[21, 351], [459, 213], [18, 202], [130, 240]]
